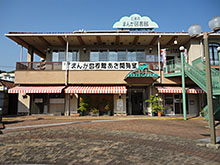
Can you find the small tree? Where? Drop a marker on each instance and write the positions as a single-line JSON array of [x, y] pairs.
[[82, 105], [155, 104]]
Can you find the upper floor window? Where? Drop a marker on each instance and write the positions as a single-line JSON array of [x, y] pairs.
[[131, 55], [94, 55], [122, 55], [103, 55], [213, 54], [113, 55], [60, 55], [118, 55]]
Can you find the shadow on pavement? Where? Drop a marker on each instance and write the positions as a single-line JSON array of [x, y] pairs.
[[205, 134], [12, 122]]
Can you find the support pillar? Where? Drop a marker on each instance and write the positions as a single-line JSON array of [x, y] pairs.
[[183, 81], [129, 102], [66, 59], [49, 55], [30, 57], [120, 104], [209, 89], [73, 103], [158, 51], [30, 54], [21, 54], [144, 98], [67, 104]]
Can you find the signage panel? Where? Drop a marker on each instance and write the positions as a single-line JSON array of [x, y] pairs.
[[2, 88], [57, 101], [135, 21], [142, 71], [101, 65]]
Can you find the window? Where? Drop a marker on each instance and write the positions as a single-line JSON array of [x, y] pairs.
[[103, 55], [140, 55], [60, 55], [118, 55], [150, 58], [213, 53], [94, 55], [55, 56], [122, 55], [113, 55], [73, 55], [131, 55]]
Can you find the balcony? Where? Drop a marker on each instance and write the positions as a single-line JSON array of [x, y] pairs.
[[172, 69], [41, 73], [57, 66]]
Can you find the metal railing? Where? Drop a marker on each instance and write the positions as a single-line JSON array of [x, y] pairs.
[[198, 64], [39, 66], [153, 65], [172, 66]]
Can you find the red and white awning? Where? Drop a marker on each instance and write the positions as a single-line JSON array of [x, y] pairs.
[[166, 89], [36, 89], [97, 89]]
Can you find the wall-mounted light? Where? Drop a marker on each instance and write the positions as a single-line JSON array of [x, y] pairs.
[[84, 50], [150, 50], [175, 42]]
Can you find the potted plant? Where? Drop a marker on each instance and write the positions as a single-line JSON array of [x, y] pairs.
[[107, 109], [202, 113], [94, 112], [82, 107], [156, 105]]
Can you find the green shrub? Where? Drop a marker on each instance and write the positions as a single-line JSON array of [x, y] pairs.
[[156, 105]]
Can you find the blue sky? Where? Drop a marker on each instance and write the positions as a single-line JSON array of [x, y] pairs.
[[70, 15]]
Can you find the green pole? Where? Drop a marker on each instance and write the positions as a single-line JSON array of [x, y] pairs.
[[183, 81], [218, 49]]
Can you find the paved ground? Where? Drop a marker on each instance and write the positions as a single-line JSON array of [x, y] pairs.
[[137, 141]]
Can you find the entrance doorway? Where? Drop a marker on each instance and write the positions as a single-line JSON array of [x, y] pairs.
[[137, 103], [38, 106]]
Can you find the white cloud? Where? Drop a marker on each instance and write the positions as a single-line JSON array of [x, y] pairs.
[[135, 21]]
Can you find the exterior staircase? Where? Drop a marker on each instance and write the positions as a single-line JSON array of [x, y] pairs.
[[196, 72]]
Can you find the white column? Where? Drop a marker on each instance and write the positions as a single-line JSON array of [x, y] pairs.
[[66, 59], [158, 51], [21, 54], [67, 104]]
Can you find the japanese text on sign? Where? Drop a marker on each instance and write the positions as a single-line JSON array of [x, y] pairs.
[[122, 65]]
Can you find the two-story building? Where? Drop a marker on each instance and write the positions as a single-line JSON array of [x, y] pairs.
[[109, 68]]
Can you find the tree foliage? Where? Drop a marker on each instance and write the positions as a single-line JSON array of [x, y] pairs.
[[156, 105]]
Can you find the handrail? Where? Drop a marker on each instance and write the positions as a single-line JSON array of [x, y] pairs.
[[195, 72], [172, 66], [196, 76], [39, 66], [214, 73]]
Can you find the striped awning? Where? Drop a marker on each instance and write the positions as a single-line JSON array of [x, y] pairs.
[[97, 89], [36, 89], [169, 89]]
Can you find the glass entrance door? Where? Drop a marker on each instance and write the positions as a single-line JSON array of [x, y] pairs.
[[178, 104], [178, 107], [137, 103]]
